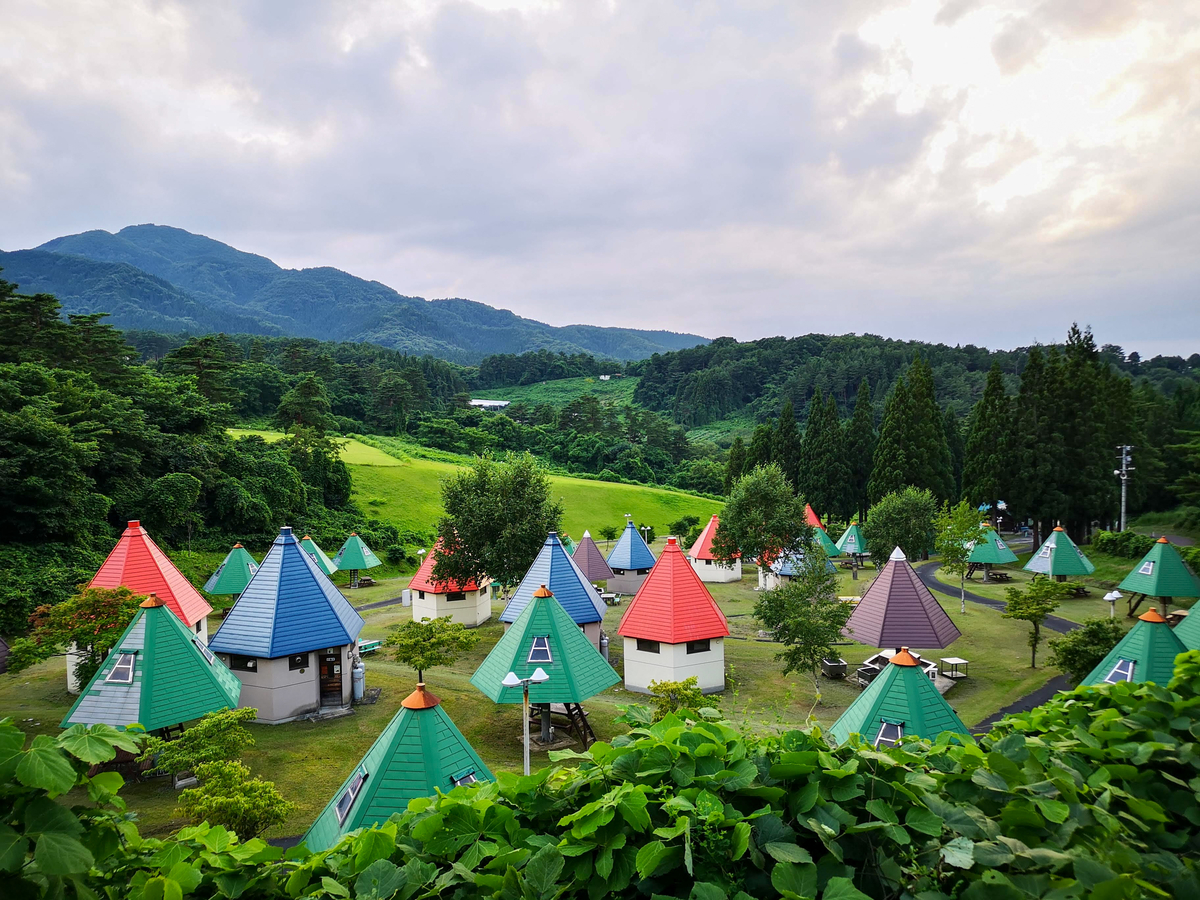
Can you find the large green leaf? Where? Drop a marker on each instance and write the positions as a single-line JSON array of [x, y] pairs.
[[44, 816], [842, 889], [960, 852], [13, 848], [740, 841], [542, 871], [920, 819], [45, 766], [61, 854], [705, 890], [372, 845], [794, 880], [783, 852], [378, 881], [332, 887], [91, 748]]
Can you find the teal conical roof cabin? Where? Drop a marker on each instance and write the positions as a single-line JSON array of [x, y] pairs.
[[1058, 557], [990, 550], [851, 541], [419, 753], [544, 636], [831, 549], [900, 702], [355, 555], [233, 574], [1161, 573], [159, 674], [1146, 653], [324, 563]]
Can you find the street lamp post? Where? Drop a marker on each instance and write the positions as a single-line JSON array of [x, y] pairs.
[[511, 680], [1112, 597], [1124, 454]]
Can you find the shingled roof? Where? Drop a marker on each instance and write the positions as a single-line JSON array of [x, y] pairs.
[[631, 551], [158, 674], [138, 564], [1146, 653], [991, 550], [233, 574], [812, 518], [423, 580], [590, 560], [355, 554], [324, 563], [555, 569], [673, 605], [289, 607], [1058, 555], [827, 544], [898, 610], [702, 549], [1161, 573], [852, 542]]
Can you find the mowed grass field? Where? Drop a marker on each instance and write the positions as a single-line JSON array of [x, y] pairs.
[[560, 392]]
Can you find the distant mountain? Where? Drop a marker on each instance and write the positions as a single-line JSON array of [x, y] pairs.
[[166, 279]]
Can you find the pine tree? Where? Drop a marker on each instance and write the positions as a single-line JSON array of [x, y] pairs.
[[1088, 482], [929, 461], [838, 472], [954, 441], [806, 482], [736, 464], [889, 463], [859, 442], [1037, 442], [762, 448], [787, 445], [987, 460]]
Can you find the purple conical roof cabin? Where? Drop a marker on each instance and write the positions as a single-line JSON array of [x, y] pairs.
[[898, 610], [590, 560]]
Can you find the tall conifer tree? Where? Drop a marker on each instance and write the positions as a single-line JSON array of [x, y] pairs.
[[889, 463], [954, 441], [761, 451], [929, 464], [787, 444], [841, 499], [860, 439], [1037, 448], [988, 458], [736, 464]]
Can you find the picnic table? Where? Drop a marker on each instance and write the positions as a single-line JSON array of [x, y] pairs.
[[954, 662]]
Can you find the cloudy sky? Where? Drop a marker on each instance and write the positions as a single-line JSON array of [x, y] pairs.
[[959, 171]]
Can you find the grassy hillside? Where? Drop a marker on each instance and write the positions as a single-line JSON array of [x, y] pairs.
[[405, 491], [562, 391]]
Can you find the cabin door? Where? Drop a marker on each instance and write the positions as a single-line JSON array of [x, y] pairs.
[[331, 677]]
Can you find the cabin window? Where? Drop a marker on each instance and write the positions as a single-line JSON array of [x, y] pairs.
[[708, 562], [122, 672], [698, 646], [540, 651], [1045, 554], [350, 795], [243, 663], [455, 595], [889, 734], [1147, 568], [298, 661], [642, 571], [204, 651], [1122, 671], [1001, 544], [199, 625], [465, 777], [646, 646], [421, 595]]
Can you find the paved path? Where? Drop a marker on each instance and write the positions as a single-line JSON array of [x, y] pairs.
[[926, 574], [379, 604], [1026, 703]]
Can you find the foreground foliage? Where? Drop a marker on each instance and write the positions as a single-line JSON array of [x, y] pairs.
[[1092, 795]]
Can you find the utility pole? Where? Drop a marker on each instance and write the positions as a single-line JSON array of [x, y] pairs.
[[1124, 455]]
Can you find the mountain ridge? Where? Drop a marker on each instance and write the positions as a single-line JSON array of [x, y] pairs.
[[162, 278]]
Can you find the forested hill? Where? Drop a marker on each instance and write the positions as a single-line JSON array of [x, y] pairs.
[[166, 279], [703, 384]]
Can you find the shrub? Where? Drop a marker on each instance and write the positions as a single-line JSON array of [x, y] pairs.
[[229, 797], [671, 696], [217, 737], [1078, 652]]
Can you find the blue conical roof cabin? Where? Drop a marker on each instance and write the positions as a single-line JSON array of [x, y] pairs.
[[900, 702], [158, 675], [1146, 653], [419, 753], [555, 569], [233, 574], [291, 636], [630, 561]]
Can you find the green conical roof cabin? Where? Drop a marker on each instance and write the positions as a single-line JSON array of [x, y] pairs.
[[852, 542], [1146, 653], [1161, 573], [324, 563], [900, 702], [233, 574], [355, 555], [419, 753], [1059, 557], [158, 674], [544, 636], [990, 550], [827, 544]]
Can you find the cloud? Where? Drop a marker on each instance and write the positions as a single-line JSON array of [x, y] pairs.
[[968, 171]]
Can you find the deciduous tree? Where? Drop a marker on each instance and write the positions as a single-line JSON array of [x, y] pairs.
[[1080, 650], [901, 519], [1038, 600], [430, 643], [762, 519], [955, 531]]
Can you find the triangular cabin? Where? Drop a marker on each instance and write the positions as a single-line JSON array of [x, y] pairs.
[[544, 636], [465, 603], [1161, 573], [898, 610], [159, 674], [630, 561], [136, 562], [708, 567], [784, 569], [324, 563], [989, 550], [826, 542], [674, 629], [419, 753], [1146, 653], [569, 543], [852, 543], [1059, 558], [354, 557], [812, 518], [233, 574], [590, 560], [555, 569], [901, 702], [291, 637]]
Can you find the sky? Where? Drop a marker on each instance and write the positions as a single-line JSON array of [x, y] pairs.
[[966, 172]]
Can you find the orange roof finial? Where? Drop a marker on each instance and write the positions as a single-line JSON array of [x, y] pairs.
[[543, 591], [1152, 615], [1162, 540], [420, 699], [151, 602], [904, 658]]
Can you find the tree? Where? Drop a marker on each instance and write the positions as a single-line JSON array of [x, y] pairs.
[[806, 616], [609, 533], [93, 620], [430, 643], [211, 360], [498, 513], [901, 519], [824, 474], [218, 737], [736, 463], [889, 463], [928, 454], [761, 451], [307, 404], [954, 442], [787, 452], [671, 696], [1039, 599], [763, 518], [228, 796], [170, 503], [1038, 458], [859, 441], [955, 531], [1080, 650], [987, 458]]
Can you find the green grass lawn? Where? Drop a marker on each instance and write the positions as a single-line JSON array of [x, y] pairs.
[[560, 392]]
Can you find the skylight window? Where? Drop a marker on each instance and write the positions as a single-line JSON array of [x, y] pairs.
[[204, 651], [1001, 544], [350, 795], [1045, 554], [122, 672], [465, 777], [1147, 568], [1122, 671], [540, 651], [889, 734]]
